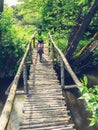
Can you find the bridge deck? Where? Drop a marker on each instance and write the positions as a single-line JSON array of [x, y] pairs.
[[44, 107]]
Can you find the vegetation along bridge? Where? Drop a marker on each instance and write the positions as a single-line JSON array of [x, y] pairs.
[[44, 107]]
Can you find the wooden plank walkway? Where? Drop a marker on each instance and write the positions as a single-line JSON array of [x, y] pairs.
[[44, 107]]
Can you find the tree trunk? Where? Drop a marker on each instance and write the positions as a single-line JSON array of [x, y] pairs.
[[81, 52], [79, 34], [87, 52], [75, 28], [85, 58]]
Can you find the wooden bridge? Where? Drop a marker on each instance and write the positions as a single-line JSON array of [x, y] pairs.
[[44, 107]]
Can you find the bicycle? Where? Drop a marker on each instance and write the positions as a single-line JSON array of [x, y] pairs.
[[40, 51]]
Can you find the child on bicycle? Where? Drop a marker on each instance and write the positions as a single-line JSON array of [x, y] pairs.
[[40, 41]]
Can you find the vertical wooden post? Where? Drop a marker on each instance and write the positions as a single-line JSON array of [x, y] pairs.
[[49, 45], [62, 74], [30, 51], [53, 51], [33, 42], [25, 78]]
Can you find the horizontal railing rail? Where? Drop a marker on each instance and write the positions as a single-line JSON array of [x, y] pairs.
[[64, 63], [4, 118]]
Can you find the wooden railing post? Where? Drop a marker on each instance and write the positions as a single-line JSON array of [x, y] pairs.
[[62, 74], [25, 78], [30, 51], [33, 41], [53, 51], [49, 43]]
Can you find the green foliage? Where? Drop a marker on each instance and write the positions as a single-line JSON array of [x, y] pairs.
[[58, 15], [12, 44], [29, 12], [91, 96], [61, 41], [83, 2]]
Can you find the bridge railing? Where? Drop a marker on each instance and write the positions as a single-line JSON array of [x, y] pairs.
[[64, 63], [10, 99]]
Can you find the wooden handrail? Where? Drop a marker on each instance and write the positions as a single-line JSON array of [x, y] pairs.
[[9, 102], [67, 65], [70, 71]]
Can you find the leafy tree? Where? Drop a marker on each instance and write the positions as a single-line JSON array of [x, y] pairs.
[[73, 23], [82, 28], [58, 16], [12, 44], [30, 11]]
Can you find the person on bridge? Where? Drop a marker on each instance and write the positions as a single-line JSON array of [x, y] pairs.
[[40, 41]]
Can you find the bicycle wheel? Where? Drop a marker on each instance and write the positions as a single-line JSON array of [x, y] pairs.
[[40, 55]]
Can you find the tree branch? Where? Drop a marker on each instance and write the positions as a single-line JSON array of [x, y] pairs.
[[81, 30]]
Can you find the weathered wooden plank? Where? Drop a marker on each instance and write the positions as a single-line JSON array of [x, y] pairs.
[[37, 88], [43, 116], [47, 119], [42, 125], [42, 83], [34, 111], [48, 126], [43, 71], [56, 106], [51, 86], [42, 90], [45, 108], [47, 91], [51, 128], [37, 113], [46, 97], [70, 86], [39, 103], [44, 120]]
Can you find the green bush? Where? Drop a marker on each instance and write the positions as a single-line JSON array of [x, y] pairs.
[[13, 40], [91, 97]]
